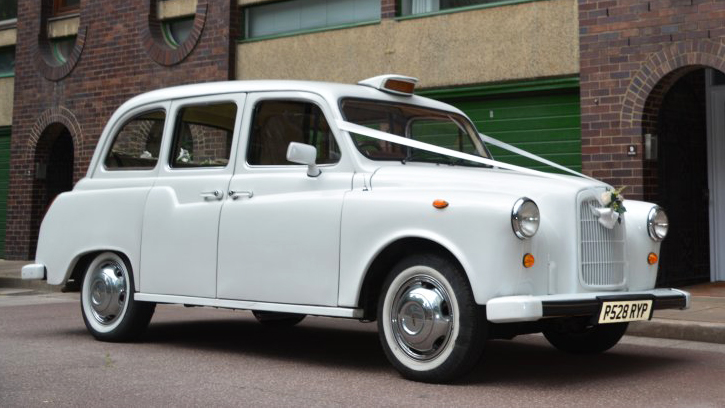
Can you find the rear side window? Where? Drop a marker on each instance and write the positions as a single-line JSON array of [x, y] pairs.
[[276, 123], [137, 145], [203, 135]]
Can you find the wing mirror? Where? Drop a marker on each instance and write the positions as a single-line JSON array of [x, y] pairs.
[[304, 154]]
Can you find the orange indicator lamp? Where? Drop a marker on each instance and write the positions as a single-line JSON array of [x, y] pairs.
[[652, 258], [528, 261], [440, 204]]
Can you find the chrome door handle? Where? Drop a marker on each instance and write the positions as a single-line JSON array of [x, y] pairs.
[[236, 194], [216, 195]]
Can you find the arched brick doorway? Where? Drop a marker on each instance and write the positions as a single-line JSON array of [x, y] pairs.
[[647, 95], [675, 172], [53, 164], [679, 171]]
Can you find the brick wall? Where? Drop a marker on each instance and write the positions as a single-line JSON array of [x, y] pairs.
[[388, 8], [631, 53], [118, 55]]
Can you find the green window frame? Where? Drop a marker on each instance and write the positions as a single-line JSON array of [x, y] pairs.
[[292, 17], [62, 47], [177, 30], [7, 61], [424, 8]]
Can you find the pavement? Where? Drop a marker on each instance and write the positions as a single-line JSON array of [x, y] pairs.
[[704, 321]]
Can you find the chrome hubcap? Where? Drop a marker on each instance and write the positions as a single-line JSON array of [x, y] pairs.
[[422, 317], [107, 292]]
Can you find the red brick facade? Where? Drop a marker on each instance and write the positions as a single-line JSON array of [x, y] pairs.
[[388, 8], [116, 57], [631, 53]]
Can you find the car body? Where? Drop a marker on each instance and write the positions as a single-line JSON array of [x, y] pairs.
[[361, 201]]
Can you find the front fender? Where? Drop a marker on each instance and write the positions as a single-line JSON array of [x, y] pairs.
[[475, 227]]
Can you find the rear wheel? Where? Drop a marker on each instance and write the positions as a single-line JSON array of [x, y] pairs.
[[107, 300], [277, 319], [586, 340], [429, 324]]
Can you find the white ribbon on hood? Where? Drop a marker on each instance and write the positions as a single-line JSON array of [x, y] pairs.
[[389, 137], [606, 216], [531, 156]]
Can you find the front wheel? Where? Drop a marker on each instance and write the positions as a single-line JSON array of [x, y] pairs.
[[429, 324], [107, 300], [586, 340]]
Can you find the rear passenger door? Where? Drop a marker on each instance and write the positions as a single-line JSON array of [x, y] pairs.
[[181, 218], [279, 238]]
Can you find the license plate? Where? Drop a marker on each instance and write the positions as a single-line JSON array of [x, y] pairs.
[[625, 311]]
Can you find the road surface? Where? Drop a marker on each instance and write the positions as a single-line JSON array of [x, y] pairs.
[[210, 357]]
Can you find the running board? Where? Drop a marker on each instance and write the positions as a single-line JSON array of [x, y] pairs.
[[247, 305]]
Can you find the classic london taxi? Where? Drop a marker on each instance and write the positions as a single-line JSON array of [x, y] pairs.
[[292, 198]]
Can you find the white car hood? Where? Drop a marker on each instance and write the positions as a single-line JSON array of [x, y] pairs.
[[431, 176]]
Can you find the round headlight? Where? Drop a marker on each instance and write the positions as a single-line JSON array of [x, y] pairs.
[[657, 224], [525, 218]]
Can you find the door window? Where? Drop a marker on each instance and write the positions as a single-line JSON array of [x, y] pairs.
[[137, 144], [276, 123], [203, 135]]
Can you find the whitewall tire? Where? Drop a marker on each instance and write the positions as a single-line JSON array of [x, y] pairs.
[[429, 324], [107, 300]]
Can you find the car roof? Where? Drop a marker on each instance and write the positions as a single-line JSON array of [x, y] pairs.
[[328, 90]]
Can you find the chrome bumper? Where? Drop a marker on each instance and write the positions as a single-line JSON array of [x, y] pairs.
[[33, 271], [510, 309]]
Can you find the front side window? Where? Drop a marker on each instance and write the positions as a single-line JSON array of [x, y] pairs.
[[440, 128], [276, 123], [203, 135], [412, 7], [137, 145]]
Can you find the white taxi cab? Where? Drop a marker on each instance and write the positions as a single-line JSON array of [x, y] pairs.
[[293, 198]]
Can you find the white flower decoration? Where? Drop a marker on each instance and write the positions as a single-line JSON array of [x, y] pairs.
[[606, 198]]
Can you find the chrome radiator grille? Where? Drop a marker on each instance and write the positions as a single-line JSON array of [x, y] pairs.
[[602, 249]]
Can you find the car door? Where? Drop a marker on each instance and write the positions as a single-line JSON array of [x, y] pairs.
[[279, 232], [181, 217]]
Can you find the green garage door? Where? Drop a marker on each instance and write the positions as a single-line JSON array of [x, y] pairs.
[[4, 181], [541, 120]]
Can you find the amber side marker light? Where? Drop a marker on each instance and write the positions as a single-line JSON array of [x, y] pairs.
[[440, 204], [528, 261], [652, 258]]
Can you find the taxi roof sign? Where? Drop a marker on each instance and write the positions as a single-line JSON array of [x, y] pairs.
[[391, 83]]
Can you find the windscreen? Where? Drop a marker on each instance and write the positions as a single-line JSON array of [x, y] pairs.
[[439, 128]]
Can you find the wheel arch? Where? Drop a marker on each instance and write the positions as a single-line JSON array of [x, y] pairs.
[[78, 265], [386, 259]]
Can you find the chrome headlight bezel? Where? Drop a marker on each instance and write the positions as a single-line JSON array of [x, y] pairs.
[[656, 221], [525, 218]]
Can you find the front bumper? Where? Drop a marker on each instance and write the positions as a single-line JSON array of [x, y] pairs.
[[509, 309]]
